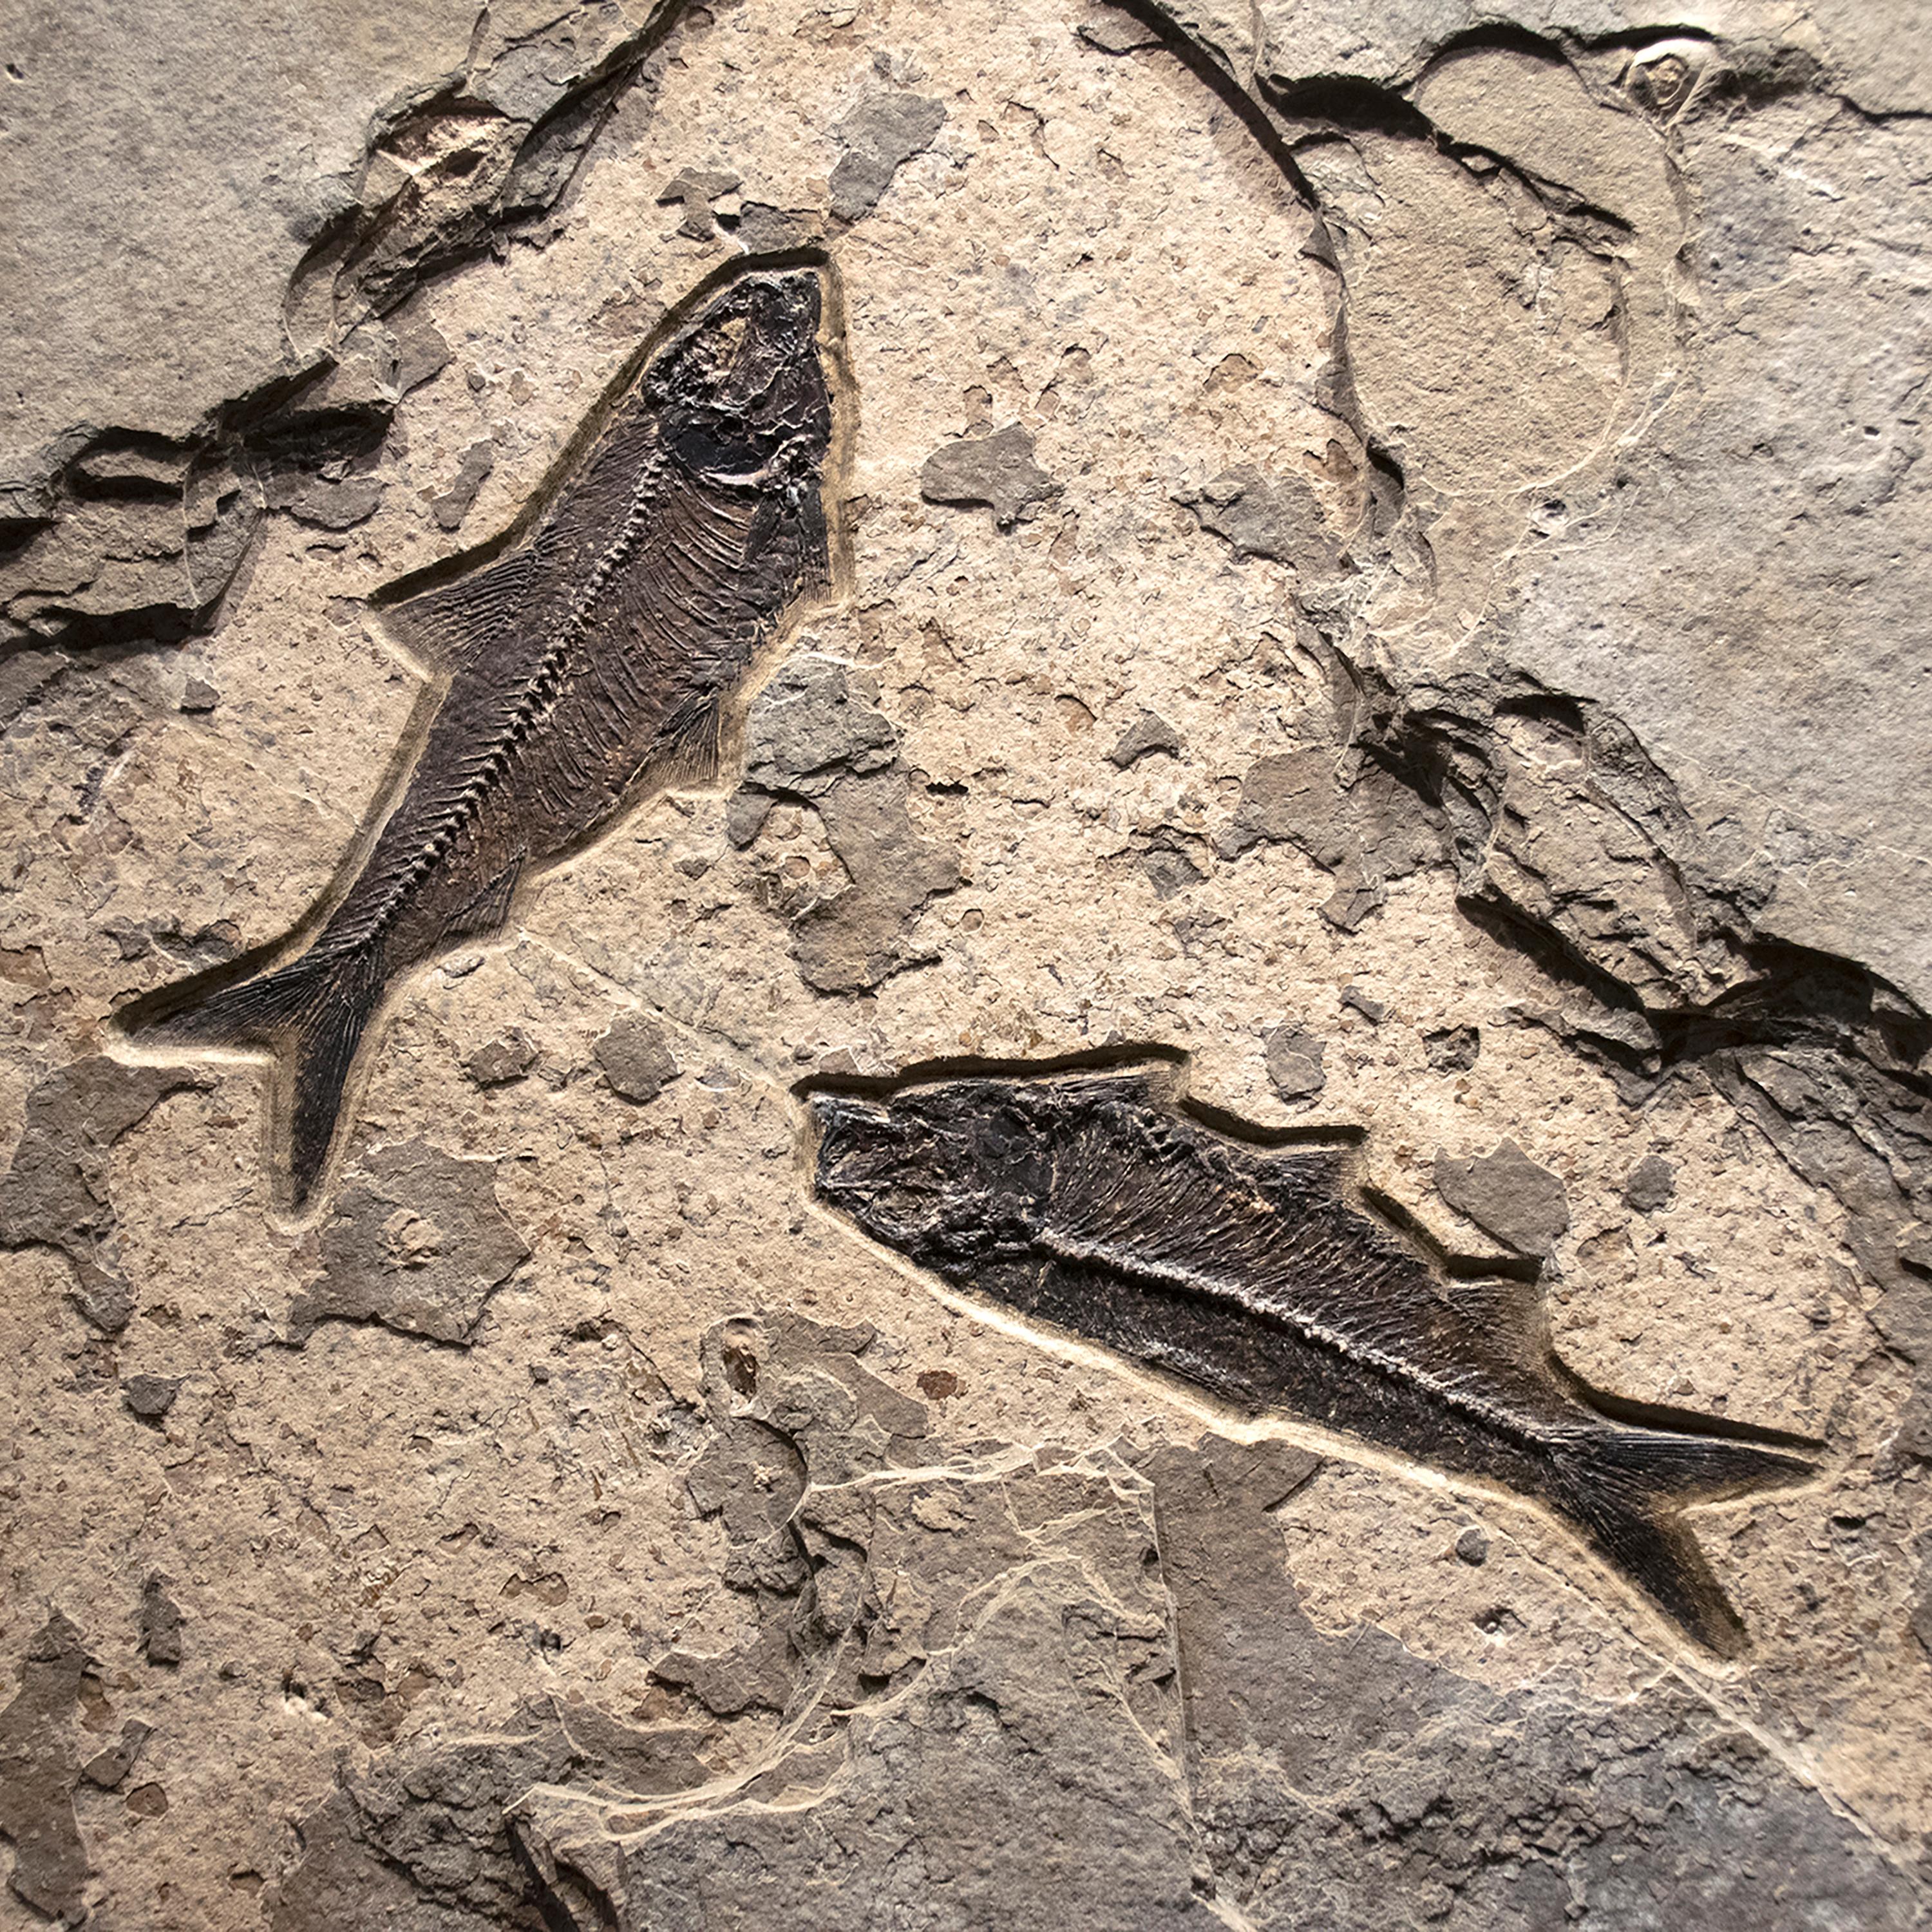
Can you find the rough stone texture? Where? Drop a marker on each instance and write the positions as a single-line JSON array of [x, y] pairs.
[[1339, 1767], [1487, 439]]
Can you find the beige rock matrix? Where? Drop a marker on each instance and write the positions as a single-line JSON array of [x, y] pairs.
[[1352, 614]]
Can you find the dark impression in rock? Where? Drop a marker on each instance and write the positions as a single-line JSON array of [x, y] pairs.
[[1101, 1204], [580, 669]]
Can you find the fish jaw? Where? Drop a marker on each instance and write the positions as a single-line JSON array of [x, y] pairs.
[[869, 1167], [913, 1178]]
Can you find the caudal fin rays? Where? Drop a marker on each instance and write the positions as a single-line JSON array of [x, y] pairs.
[[312, 1014], [1625, 1488]]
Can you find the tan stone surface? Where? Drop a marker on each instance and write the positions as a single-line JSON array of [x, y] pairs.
[[570, 1480]]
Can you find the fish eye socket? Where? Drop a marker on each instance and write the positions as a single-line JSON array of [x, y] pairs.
[[726, 339]]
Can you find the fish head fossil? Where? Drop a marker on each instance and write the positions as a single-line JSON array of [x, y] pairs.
[[742, 392], [912, 1170], [961, 1169]]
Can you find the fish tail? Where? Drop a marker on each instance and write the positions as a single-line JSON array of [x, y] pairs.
[[1625, 1488], [312, 1014]]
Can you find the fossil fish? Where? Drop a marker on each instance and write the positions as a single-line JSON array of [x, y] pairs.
[[1100, 1204], [585, 666]]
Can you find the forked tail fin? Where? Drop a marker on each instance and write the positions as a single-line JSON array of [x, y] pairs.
[[312, 1014], [1625, 1488]]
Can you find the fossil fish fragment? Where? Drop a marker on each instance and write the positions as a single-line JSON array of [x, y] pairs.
[[1098, 1203], [585, 666]]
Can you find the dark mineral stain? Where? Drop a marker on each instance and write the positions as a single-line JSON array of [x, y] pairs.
[[586, 666], [55, 1194], [38, 1770], [1453, 1049], [160, 1622], [1099, 1203]]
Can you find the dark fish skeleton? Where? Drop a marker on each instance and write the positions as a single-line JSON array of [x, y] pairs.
[[1099, 1204], [587, 667]]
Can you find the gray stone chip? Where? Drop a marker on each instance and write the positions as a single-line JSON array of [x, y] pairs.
[[1294, 1063], [1373, 1010], [694, 189], [39, 1769], [880, 136], [453, 505], [497, 1062], [417, 1243], [635, 1055], [151, 1396], [109, 1768], [1259, 516], [1652, 1184], [1507, 1195], [161, 1623], [1117, 33], [861, 936], [1148, 733], [815, 721], [55, 1192], [1170, 871], [998, 470]]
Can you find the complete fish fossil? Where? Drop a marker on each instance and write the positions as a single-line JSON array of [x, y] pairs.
[[586, 667], [1100, 1204]]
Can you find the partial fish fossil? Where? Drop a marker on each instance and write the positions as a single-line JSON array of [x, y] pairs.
[[587, 667], [1101, 1205]]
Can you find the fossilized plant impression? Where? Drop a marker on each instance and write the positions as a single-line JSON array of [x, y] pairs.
[[1098, 1203], [585, 666]]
